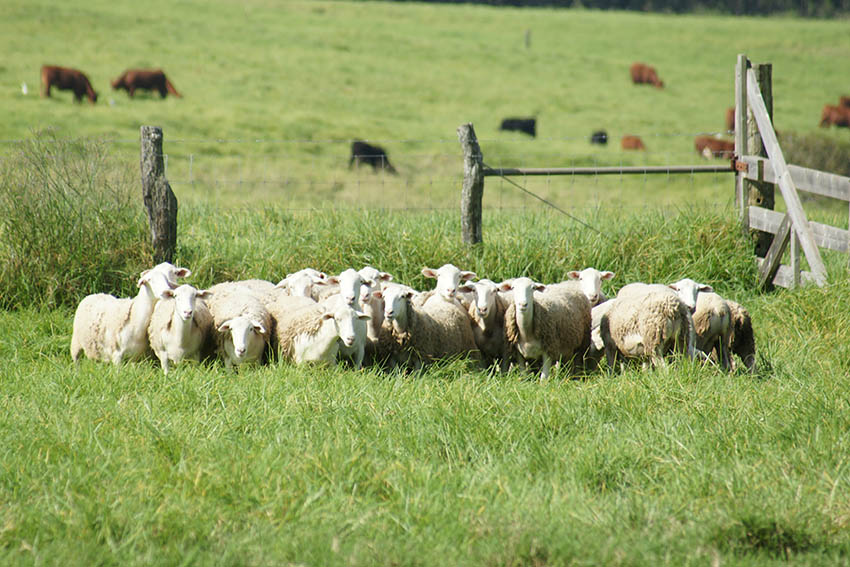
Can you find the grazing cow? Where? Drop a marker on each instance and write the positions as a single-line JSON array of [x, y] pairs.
[[710, 147], [599, 137], [525, 125], [632, 143], [363, 152], [730, 119], [66, 79], [844, 102], [837, 115], [152, 80], [643, 74]]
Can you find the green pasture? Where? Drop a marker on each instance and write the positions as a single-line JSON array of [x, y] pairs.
[[279, 465]]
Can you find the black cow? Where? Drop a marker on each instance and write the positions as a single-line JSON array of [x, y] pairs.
[[363, 152], [599, 137], [525, 125]]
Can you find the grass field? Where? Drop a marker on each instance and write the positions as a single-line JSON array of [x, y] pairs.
[[278, 465]]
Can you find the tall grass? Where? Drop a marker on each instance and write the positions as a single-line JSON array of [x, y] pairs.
[[70, 225]]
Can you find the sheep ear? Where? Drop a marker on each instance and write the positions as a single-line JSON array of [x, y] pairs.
[[363, 316], [331, 280], [539, 287], [607, 275], [166, 293], [281, 284], [506, 286], [468, 288], [378, 294], [429, 273], [224, 327], [182, 272], [258, 327], [385, 277], [465, 276], [574, 275], [706, 287], [327, 315], [203, 293], [673, 286]]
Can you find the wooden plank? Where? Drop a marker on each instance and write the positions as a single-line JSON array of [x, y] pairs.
[[741, 134], [825, 236], [613, 170], [785, 278], [786, 184], [805, 179], [795, 258], [773, 258], [472, 190]]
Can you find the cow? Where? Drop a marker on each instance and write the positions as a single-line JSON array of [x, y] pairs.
[[632, 143], [837, 115], [643, 74], [710, 147], [730, 119], [599, 137], [525, 125], [148, 79], [66, 79], [376, 156]]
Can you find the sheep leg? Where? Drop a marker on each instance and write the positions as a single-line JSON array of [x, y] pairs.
[[547, 368]]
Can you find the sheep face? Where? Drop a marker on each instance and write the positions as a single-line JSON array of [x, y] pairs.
[[395, 298], [448, 278], [345, 320], [349, 286], [247, 339], [590, 283], [184, 300], [171, 272], [485, 295], [156, 281], [372, 281], [523, 292], [687, 290]]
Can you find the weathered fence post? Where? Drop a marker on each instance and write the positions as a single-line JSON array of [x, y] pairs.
[[160, 202], [761, 193], [741, 138], [473, 185]]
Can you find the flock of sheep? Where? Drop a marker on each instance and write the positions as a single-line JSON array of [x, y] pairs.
[[364, 317]]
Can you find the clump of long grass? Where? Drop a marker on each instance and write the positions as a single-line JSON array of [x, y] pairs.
[[70, 225]]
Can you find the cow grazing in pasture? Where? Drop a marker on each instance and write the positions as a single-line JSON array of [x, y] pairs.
[[148, 79], [730, 119], [66, 79], [632, 143], [838, 115], [710, 147], [524, 125], [599, 137], [376, 156], [643, 74]]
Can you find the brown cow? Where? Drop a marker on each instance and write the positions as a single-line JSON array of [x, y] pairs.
[[148, 79], [66, 79], [837, 115], [710, 147], [645, 74], [632, 143]]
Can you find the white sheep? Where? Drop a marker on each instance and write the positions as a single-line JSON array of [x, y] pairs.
[[713, 327], [180, 326], [114, 329], [241, 324], [686, 289], [487, 313], [314, 332], [449, 277], [301, 283], [371, 301], [597, 346], [743, 339], [590, 283], [414, 335], [551, 327], [646, 326]]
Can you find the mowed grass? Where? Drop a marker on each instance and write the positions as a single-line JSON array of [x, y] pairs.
[[455, 466], [275, 91]]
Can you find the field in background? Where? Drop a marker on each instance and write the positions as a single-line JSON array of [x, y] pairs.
[[275, 91]]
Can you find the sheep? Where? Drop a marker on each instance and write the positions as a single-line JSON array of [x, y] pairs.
[[551, 327], [713, 327], [241, 324], [180, 325], [743, 341], [597, 347], [301, 282], [108, 328], [645, 326], [487, 312], [449, 277], [314, 332], [590, 283], [415, 335], [371, 301]]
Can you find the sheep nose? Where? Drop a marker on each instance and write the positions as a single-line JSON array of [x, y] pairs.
[[349, 299], [186, 315], [239, 351], [348, 341], [482, 310]]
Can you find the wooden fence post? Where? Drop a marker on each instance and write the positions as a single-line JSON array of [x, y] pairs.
[[741, 139], [473, 185], [761, 193], [160, 202]]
